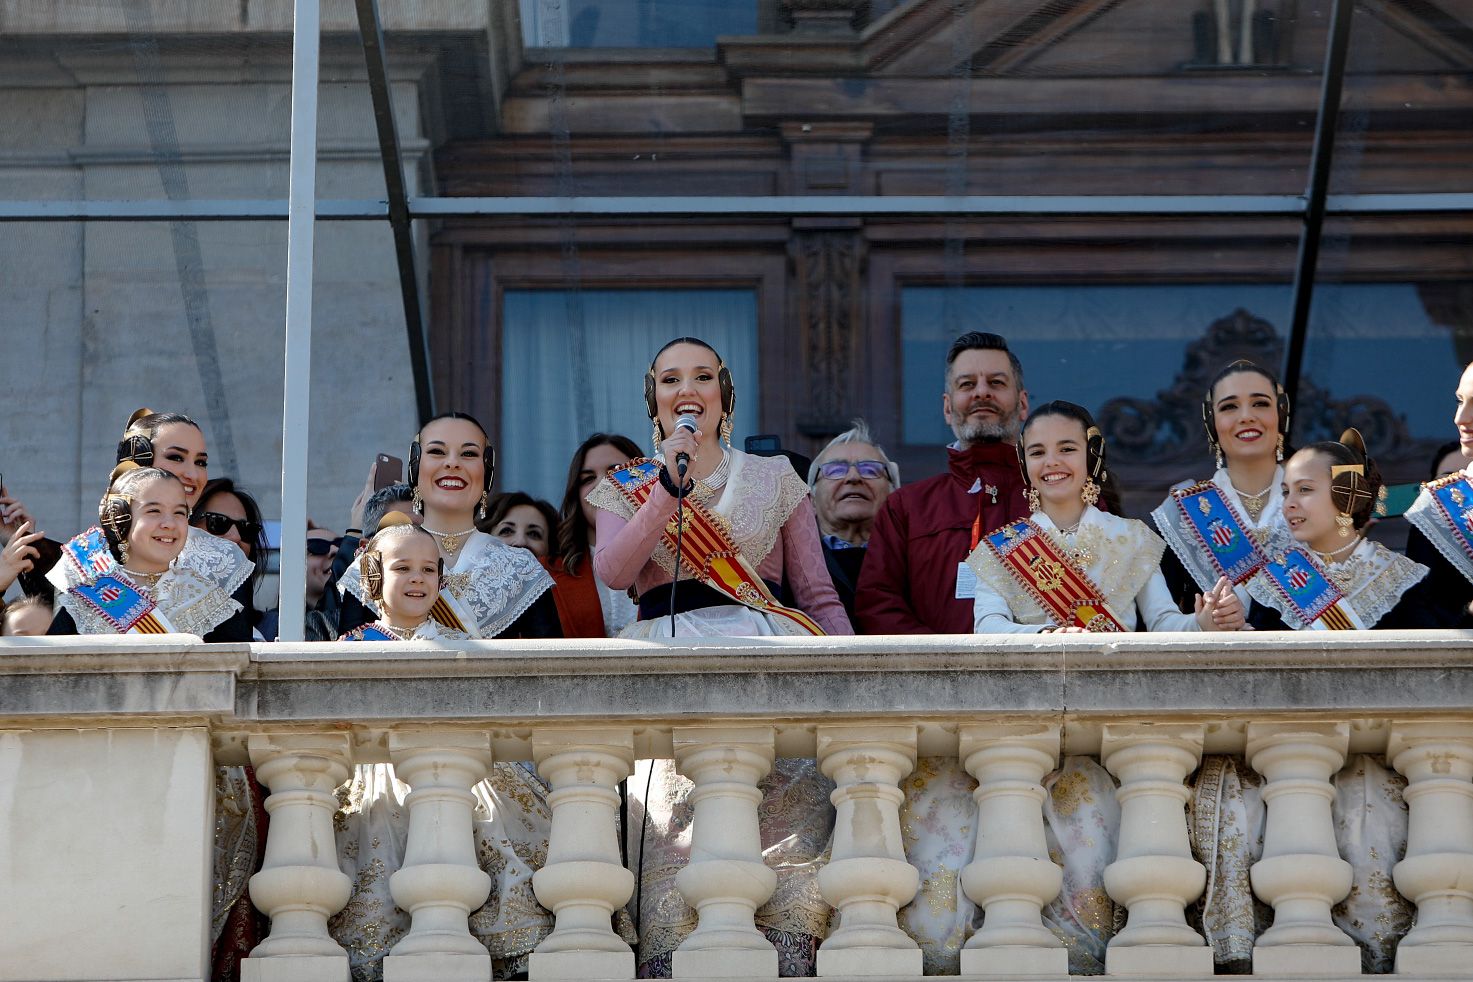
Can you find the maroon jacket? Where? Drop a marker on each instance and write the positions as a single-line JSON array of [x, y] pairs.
[[908, 583]]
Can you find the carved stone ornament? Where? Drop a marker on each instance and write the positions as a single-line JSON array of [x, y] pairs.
[[1168, 429]]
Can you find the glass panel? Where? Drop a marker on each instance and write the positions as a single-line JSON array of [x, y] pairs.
[[574, 363], [1391, 330], [102, 318], [1404, 115], [634, 23], [761, 97]]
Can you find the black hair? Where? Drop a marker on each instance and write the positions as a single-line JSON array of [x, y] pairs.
[[1352, 493], [983, 341], [572, 529], [248, 504], [115, 510], [142, 430], [502, 504], [457, 415], [1094, 446], [378, 505], [1442, 451]]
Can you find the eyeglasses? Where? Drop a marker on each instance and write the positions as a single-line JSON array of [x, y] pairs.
[[321, 547], [217, 524], [837, 470]]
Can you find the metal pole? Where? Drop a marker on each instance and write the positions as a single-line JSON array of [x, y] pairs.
[[1320, 164], [370, 28], [297, 395]]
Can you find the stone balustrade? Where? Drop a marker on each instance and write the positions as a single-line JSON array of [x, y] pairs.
[[106, 791]]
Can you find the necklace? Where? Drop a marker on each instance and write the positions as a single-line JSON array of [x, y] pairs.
[[1078, 551], [1330, 556], [402, 633], [149, 581], [449, 542], [716, 480], [1254, 504]]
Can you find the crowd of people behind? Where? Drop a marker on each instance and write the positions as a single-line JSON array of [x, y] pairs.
[[1023, 533]]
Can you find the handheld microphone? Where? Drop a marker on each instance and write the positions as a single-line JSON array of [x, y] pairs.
[[686, 422]]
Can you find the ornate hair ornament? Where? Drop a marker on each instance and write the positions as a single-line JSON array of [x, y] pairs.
[[1350, 486], [136, 447]]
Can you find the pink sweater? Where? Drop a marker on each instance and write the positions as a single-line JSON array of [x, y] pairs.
[[622, 558]]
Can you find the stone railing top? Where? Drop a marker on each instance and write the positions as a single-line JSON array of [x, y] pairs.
[[511, 686]]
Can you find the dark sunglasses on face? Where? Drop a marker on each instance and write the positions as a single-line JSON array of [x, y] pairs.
[[837, 470], [217, 524], [321, 547]]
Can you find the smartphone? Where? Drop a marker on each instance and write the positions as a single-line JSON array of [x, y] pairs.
[[34, 581], [388, 470]]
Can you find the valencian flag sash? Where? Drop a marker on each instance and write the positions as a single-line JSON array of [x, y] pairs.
[[123, 606], [89, 554], [368, 632], [1231, 548], [708, 548], [1310, 594], [447, 611], [1444, 513], [1062, 589]]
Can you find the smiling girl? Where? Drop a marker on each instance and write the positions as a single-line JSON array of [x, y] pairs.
[[132, 574]]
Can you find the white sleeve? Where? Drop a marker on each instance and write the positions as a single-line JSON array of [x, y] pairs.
[[1158, 612], [991, 615]]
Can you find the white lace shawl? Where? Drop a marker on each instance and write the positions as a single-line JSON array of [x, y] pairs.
[[194, 595], [1378, 579], [1430, 521], [496, 582], [1269, 531], [760, 494], [1123, 556]]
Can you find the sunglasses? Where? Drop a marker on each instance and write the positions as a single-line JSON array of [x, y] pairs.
[[837, 470], [321, 547], [217, 524]]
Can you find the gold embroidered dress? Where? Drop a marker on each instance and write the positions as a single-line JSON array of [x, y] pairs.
[[766, 508], [511, 824]]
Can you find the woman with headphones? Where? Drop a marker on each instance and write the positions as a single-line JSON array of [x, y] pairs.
[[488, 590], [747, 530], [491, 590], [1222, 526]]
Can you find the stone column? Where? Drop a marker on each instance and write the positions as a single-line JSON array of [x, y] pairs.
[[1437, 873], [868, 879], [299, 886], [1154, 875], [726, 880], [1011, 877], [584, 879], [440, 882], [1301, 874]]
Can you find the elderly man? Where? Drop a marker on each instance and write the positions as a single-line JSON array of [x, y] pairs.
[[849, 479], [915, 579]]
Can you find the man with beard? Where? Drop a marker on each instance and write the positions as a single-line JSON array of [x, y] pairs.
[[849, 480], [915, 579]]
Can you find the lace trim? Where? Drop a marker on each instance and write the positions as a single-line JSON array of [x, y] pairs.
[[1123, 554], [496, 582], [1378, 578], [194, 595], [759, 496], [1270, 531], [1428, 518]]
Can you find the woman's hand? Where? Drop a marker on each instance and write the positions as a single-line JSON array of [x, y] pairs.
[[1066, 629], [13, 514], [680, 442], [1219, 609], [18, 555]]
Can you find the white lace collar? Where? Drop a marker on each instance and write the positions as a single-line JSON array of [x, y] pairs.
[[1373, 579]]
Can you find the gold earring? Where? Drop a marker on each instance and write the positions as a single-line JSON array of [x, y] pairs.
[[123, 551], [655, 435], [481, 506], [416, 502], [1031, 494], [1279, 453], [726, 430], [1217, 449], [1344, 522], [1090, 493]]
